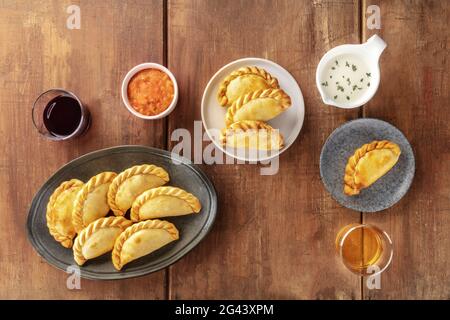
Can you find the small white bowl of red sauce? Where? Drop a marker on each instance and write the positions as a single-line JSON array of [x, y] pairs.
[[150, 91]]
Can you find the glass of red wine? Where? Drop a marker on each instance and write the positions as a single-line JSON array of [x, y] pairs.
[[58, 114]]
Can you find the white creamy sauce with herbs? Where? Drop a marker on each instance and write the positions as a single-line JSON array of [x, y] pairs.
[[346, 78]]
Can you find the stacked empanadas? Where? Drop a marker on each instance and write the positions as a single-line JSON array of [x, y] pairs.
[[252, 96], [79, 211]]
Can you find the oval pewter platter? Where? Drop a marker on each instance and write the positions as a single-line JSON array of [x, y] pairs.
[[193, 228]]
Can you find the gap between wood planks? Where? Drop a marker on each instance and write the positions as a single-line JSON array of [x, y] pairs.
[[165, 26], [362, 35]]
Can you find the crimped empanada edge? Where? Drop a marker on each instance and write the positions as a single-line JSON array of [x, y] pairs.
[[276, 94], [246, 125], [65, 240], [86, 233], [221, 94], [128, 232], [95, 181], [149, 169], [350, 187], [179, 193]]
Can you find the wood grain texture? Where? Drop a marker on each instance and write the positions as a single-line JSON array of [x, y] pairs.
[[38, 52], [414, 95], [274, 235]]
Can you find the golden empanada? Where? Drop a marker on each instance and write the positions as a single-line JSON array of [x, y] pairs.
[[141, 239], [369, 163], [243, 81], [261, 105], [251, 134], [164, 202], [91, 202], [129, 184], [59, 212], [98, 238]]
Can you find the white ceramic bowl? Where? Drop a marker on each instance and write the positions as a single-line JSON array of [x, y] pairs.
[[136, 69]]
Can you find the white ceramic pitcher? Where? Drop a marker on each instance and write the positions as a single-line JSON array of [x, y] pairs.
[[369, 53]]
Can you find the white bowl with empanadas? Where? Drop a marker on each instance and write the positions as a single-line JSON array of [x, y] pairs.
[[252, 89]]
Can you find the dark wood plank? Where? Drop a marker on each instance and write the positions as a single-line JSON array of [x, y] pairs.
[[274, 235], [414, 96], [38, 52]]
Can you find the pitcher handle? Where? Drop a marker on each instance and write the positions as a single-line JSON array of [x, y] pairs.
[[376, 46]]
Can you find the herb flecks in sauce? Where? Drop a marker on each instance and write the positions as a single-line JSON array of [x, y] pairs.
[[355, 79]]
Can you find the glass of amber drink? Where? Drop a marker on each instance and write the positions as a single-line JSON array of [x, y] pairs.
[[364, 249]]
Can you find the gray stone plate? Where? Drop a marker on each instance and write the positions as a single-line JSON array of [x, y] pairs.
[[343, 142], [193, 228]]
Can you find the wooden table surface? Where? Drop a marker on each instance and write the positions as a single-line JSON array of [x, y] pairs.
[[274, 235]]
